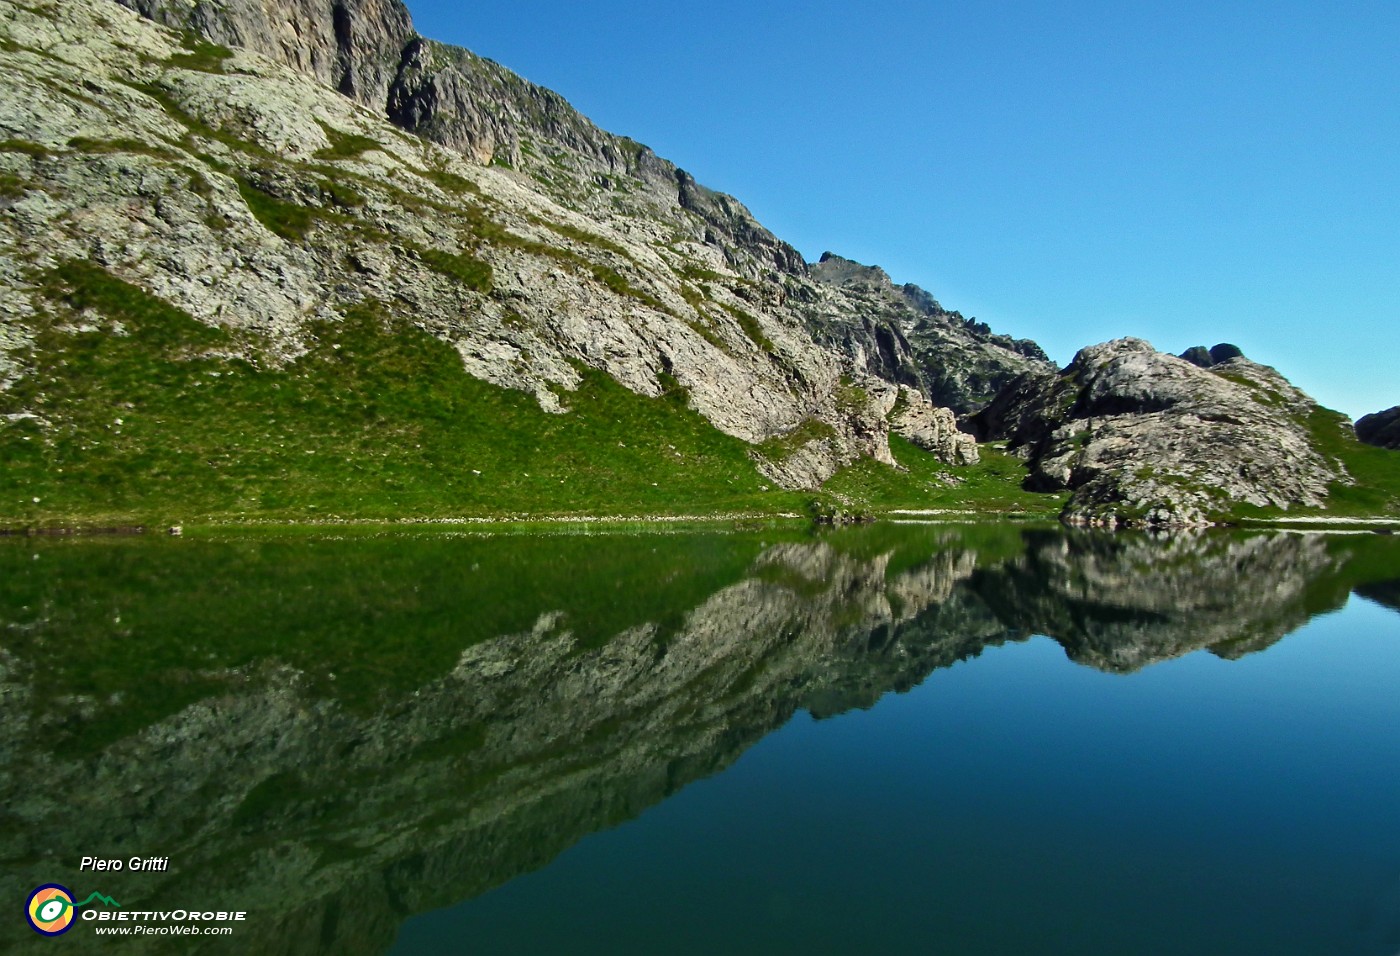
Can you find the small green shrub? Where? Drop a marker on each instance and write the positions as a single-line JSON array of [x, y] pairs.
[[340, 195], [693, 296], [288, 220], [696, 273], [345, 145], [37, 150], [468, 270], [585, 237], [84, 144], [201, 56], [751, 328], [13, 187], [450, 182]]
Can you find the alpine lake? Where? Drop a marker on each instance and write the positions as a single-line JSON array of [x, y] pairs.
[[898, 738]]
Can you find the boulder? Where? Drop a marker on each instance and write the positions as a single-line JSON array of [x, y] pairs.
[[1380, 428]]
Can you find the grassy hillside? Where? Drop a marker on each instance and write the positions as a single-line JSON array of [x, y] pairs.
[[146, 420]]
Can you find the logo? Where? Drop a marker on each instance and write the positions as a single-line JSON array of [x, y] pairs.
[[51, 909]]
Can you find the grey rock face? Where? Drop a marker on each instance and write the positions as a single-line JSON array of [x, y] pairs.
[[354, 46], [932, 429], [1147, 438], [369, 51], [1380, 428], [902, 334]]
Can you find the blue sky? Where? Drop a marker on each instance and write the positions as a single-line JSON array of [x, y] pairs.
[[1185, 172]]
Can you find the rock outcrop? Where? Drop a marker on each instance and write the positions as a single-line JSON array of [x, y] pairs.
[[1208, 357], [1141, 437], [354, 46], [1380, 428], [932, 429]]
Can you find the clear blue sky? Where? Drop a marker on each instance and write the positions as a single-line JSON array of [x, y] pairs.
[[1069, 171]]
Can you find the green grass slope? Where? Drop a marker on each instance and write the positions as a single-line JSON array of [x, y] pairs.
[[132, 412]]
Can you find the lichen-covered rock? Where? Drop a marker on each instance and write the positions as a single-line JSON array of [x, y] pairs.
[[1142, 437], [1380, 428]]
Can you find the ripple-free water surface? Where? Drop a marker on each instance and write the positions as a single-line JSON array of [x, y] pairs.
[[1017, 803], [988, 739]]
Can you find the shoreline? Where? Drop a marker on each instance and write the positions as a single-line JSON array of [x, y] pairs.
[[1380, 524]]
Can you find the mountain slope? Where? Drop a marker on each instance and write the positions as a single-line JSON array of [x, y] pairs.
[[333, 267], [196, 223], [489, 115]]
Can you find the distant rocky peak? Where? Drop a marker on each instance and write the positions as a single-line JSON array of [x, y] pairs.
[[841, 272]]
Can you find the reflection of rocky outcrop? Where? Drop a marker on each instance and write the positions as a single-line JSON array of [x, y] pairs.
[[1121, 602], [331, 823]]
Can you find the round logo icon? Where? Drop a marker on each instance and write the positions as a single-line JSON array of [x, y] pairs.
[[50, 909]]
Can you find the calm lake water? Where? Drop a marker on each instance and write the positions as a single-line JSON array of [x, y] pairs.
[[891, 739]]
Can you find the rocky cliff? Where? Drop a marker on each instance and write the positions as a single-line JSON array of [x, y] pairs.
[[1144, 437], [902, 334]]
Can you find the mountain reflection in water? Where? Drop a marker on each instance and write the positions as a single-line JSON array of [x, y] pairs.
[[335, 734]]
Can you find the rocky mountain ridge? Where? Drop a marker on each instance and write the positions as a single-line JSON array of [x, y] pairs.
[[486, 113]]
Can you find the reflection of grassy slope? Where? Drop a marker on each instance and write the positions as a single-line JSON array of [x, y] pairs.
[[144, 627], [911, 546], [377, 420], [993, 484]]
